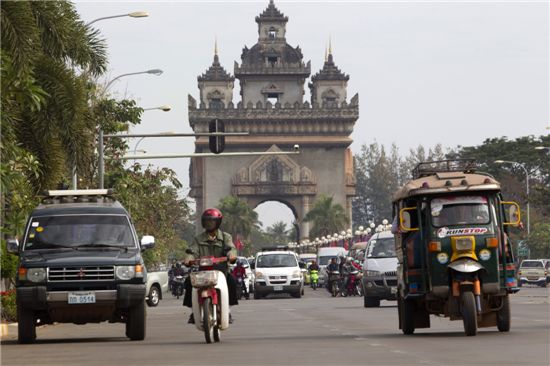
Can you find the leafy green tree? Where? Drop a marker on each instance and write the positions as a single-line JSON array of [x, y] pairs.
[[151, 198], [539, 241], [327, 217]]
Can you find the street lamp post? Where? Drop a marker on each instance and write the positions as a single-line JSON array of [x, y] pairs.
[[101, 164], [135, 14], [526, 185]]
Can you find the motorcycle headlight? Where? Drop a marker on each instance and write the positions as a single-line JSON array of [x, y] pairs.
[[36, 274], [373, 273], [125, 272]]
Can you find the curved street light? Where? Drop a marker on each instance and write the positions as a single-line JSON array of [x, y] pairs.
[[526, 184], [135, 14], [101, 164], [164, 108]]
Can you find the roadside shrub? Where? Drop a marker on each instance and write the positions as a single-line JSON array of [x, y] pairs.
[[9, 307]]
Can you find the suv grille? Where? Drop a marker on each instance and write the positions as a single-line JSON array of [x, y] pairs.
[[88, 273]]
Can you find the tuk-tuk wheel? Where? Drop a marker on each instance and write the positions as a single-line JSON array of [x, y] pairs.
[[468, 310], [408, 312], [503, 315]]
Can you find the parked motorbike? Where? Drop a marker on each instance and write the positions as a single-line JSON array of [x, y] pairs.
[[177, 286], [210, 298], [314, 278]]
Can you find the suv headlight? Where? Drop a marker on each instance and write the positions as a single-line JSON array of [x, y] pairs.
[[36, 274], [128, 272], [259, 275], [372, 273], [297, 274]]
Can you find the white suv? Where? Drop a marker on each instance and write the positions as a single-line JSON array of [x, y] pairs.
[[277, 272]]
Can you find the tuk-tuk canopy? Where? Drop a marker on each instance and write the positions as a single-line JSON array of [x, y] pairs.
[[447, 182]]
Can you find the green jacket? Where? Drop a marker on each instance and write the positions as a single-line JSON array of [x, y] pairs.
[[206, 247]]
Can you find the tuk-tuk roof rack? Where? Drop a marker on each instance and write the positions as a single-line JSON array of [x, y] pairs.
[[77, 196], [427, 168]]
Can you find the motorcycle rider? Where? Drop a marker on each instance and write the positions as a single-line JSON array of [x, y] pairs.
[[177, 271], [332, 267], [314, 266], [216, 243], [240, 272]]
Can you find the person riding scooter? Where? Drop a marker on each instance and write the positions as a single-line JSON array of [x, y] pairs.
[[239, 272], [216, 243], [332, 267]]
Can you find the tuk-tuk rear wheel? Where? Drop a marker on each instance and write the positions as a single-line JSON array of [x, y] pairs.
[[407, 324], [503, 315]]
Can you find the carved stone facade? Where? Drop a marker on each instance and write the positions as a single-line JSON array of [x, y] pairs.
[[272, 110]]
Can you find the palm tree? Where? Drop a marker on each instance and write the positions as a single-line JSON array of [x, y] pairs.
[[327, 217], [278, 233], [48, 54], [238, 217]]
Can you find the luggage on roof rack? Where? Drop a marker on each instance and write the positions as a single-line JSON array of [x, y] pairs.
[[77, 196], [427, 168]]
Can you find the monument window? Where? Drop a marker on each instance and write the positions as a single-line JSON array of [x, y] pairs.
[[272, 33], [216, 103], [272, 60], [273, 98]]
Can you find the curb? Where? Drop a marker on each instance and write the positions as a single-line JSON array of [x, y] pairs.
[[4, 329]]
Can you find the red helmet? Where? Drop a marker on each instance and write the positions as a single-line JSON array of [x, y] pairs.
[[212, 214]]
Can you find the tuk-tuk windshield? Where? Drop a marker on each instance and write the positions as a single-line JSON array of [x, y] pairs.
[[381, 248], [460, 210]]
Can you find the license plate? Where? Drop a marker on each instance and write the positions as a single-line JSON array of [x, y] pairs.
[[81, 297], [278, 288], [393, 290]]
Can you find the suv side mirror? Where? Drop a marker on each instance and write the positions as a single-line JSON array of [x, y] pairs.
[[13, 246], [302, 265], [252, 265], [405, 219], [147, 242]]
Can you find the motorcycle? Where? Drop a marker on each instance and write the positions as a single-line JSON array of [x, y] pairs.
[[334, 281], [314, 278], [350, 281], [177, 286], [242, 291], [210, 298]]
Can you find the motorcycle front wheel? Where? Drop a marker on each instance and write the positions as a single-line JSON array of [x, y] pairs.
[[207, 320]]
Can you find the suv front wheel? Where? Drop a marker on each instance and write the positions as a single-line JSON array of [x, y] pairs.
[[135, 324], [26, 327]]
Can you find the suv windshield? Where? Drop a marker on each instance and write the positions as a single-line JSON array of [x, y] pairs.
[[324, 259], [276, 260], [381, 248], [460, 210], [79, 230], [531, 264]]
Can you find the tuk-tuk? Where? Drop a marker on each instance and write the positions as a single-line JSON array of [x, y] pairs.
[[454, 254]]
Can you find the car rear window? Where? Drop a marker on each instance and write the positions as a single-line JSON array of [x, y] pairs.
[[531, 264]]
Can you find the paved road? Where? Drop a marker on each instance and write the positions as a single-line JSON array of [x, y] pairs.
[[313, 330]]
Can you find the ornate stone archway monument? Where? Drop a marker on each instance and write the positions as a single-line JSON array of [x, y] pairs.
[[272, 77]]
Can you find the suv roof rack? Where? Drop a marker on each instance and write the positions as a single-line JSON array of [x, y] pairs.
[[427, 168], [77, 196]]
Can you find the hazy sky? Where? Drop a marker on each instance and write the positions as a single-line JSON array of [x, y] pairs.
[[449, 72]]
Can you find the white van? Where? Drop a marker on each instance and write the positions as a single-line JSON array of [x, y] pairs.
[[380, 270], [277, 272], [324, 255]]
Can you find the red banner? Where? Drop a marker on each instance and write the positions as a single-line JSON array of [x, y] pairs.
[[238, 243]]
